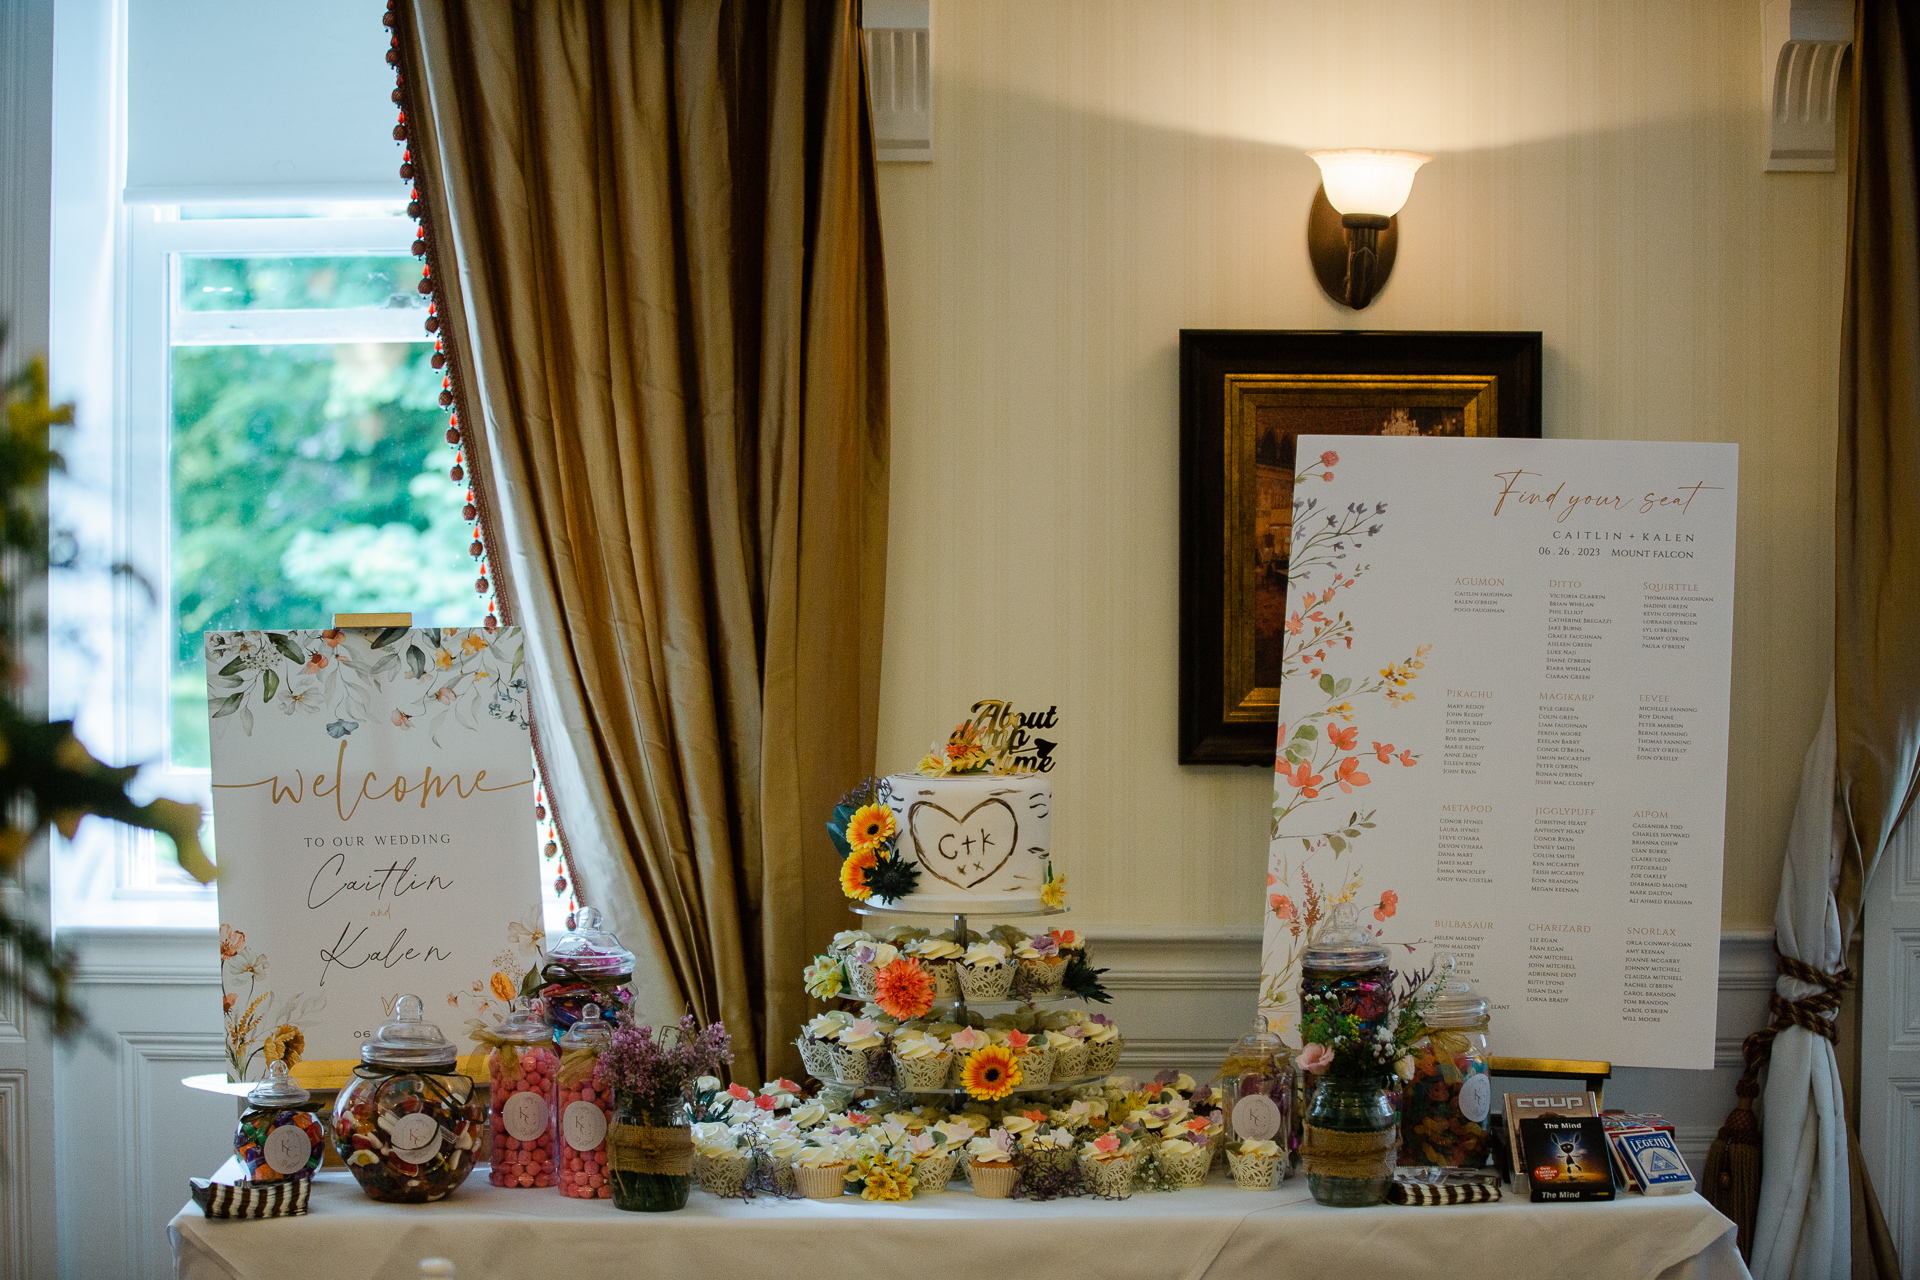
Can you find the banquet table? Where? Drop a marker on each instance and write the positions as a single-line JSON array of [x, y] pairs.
[[1213, 1231]]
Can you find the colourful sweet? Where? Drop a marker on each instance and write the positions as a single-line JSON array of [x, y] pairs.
[[407, 1125]]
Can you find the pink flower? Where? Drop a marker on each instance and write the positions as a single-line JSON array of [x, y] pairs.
[[1106, 1142], [765, 1102], [740, 1091], [1327, 476], [1385, 751], [1329, 459], [1315, 1059], [403, 720], [1389, 903], [316, 661], [1281, 905]]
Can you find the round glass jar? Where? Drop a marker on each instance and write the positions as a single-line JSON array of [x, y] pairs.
[[1443, 1107], [1347, 964], [586, 965], [585, 1110], [1257, 1083], [279, 1137], [408, 1125], [520, 1075]]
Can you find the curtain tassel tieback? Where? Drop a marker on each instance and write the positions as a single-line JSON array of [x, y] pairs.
[[1731, 1179]]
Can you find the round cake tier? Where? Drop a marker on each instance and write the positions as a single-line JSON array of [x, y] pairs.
[[990, 910], [979, 840]]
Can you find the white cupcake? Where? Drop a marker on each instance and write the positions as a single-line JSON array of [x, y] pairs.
[[986, 971], [940, 958], [1103, 1047], [1069, 1053], [920, 1062], [1185, 1163], [857, 1050], [1034, 1055]]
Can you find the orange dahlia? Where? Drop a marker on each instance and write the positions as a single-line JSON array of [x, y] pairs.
[[853, 874], [869, 825], [903, 989], [991, 1073]]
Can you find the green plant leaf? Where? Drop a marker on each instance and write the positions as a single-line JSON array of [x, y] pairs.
[[233, 667], [286, 647], [387, 636], [1326, 685], [226, 706], [269, 685]]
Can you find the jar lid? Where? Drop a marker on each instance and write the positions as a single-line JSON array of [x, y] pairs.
[[409, 1040], [1261, 1040], [279, 1089], [1456, 1003], [587, 948], [590, 1032], [522, 1025], [1344, 944]]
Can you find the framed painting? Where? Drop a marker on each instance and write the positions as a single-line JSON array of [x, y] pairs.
[[1245, 396]]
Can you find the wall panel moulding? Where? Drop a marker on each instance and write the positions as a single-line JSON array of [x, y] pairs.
[[1803, 48], [899, 40]]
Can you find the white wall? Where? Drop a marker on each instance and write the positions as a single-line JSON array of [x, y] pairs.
[[1109, 172]]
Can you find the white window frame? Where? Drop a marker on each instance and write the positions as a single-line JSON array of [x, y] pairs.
[[139, 657]]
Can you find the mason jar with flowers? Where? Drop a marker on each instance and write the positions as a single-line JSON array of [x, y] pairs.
[[1350, 1135], [650, 1148]]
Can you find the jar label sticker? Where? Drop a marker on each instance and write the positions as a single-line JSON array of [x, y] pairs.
[[287, 1149], [584, 1124], [525, 1114], [415, 1138], [1256, 1116], [1476, 1095]]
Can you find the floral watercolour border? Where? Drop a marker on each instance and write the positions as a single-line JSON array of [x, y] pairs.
[[1319, 762]]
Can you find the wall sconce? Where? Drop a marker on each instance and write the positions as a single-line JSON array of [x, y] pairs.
[[1351, 233]]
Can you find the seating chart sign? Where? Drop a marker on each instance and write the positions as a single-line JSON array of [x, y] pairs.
[[373, 801], [1504, 729]]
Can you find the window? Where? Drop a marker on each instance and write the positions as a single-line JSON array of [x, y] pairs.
[[281, 458]]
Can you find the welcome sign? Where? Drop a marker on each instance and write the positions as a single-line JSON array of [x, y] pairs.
[[373, 795]]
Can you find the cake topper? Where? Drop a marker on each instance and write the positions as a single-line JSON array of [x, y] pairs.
[[995, 739]]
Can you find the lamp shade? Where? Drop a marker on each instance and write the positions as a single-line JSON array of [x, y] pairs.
[[1363, 180]]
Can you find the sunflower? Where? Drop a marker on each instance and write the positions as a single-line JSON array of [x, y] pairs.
[[853, 874], [869, 826], [904, 990], [991, 1073]]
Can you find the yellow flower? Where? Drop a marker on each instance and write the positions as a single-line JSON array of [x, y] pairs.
[[853, 874], [991, 1073], [442, 659], [1054, 893], [285, 1042], [882, 1178], [474, 642], [869, 826], [502, 986]]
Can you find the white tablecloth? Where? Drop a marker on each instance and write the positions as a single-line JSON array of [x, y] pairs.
[[1215, 1231]]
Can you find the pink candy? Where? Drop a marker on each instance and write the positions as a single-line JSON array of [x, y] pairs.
[[527, 1160], [583, 1173]]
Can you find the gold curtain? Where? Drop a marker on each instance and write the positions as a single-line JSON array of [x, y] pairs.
[[655, 232], [1877, 520]]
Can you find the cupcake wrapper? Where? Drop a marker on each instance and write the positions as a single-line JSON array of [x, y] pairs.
[[1036, 1065], [956, 1073], [1254, 1173], [934, 1173], [866, 980], [1103, 1058], [783, 1179], [853, 1066], [1070, 1063], [725, 1177], [829, 1183], [1046, 976], [1188, 1169], [916, 1074], [946, 978], [986, 982], [1112, 1179], [994, 1181], [816, 1057]]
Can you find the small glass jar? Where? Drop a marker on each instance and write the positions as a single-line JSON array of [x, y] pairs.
[[651, 1156], [278, 1136], [586, 965], [585, 1109], [1257, 1081], [1443, 1108], [407, 1124], [520, 1071], [1347, 964], [1348, 1142]]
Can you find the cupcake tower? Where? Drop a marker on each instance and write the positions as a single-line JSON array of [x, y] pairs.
[[920, 1029]]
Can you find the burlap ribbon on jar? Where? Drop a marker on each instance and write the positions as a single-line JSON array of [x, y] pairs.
[[643, 1148], [1334, 1153]]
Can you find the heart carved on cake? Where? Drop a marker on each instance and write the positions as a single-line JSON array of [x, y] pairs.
[[966, 850]]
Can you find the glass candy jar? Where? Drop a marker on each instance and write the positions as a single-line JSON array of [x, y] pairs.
[[1443, 1109], [278, 1136], [1257, 1081], [586, 965], [585, 1109], [407, 1124], [1348, 1140], [520, 1069], [1348, 965]]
